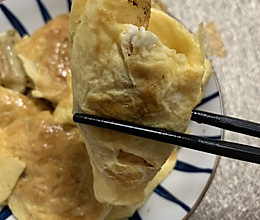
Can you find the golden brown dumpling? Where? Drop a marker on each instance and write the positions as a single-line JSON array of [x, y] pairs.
[[57, 181], [14, 105], [45, 57], [63, 111], [12, 73], [11, 169], [120, 212], [121, 70]]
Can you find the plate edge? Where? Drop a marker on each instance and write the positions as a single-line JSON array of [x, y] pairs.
[[214, 170]]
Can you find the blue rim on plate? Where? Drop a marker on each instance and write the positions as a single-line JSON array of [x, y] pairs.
[[170, 191]]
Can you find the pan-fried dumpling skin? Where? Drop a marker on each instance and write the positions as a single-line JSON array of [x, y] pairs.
[[11, 169], [57, 181], [120, 212], [12, 73], [63, 111], [14, 105], [75, 14], [45, 57], [123, 71]]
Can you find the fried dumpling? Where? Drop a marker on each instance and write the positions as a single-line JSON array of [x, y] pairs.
[[123, 71], [12, 73], [120, 212], [57, 181], [63, 111], [45, 58], [11, 169], [14, 105]]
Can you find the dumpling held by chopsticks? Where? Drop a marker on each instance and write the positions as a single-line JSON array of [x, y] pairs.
[[136, 64]]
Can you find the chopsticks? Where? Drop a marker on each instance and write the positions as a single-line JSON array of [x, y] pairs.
[[228, 123], [222, 148]]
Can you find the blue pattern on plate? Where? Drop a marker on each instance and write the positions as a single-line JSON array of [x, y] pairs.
[[215, 137], [208, 98], [69, 4], [185, 167], [135, 216], [5, 213], [45, 14], [14, 21], [161, 191]]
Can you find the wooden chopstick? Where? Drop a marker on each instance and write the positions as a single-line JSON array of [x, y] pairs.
[[228, 123], [222, 148]]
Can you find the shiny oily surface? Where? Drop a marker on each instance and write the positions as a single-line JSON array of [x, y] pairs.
[[234, 192]]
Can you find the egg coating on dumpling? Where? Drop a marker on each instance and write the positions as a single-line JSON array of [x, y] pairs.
[[14, 105], [57, 181], [121, 70], [45, 56]]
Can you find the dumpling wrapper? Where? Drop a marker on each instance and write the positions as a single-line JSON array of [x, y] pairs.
[[11, 169], [12, 73], [57, 181], [120, 212], [122, 71], [14, 105], [45, 57], [63, 111]]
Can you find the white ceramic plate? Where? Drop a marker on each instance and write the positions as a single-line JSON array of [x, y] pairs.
[[180, 193]]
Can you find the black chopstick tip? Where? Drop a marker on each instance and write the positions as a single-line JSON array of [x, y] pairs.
[[80, 118], [87, 119], [75, 116]]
